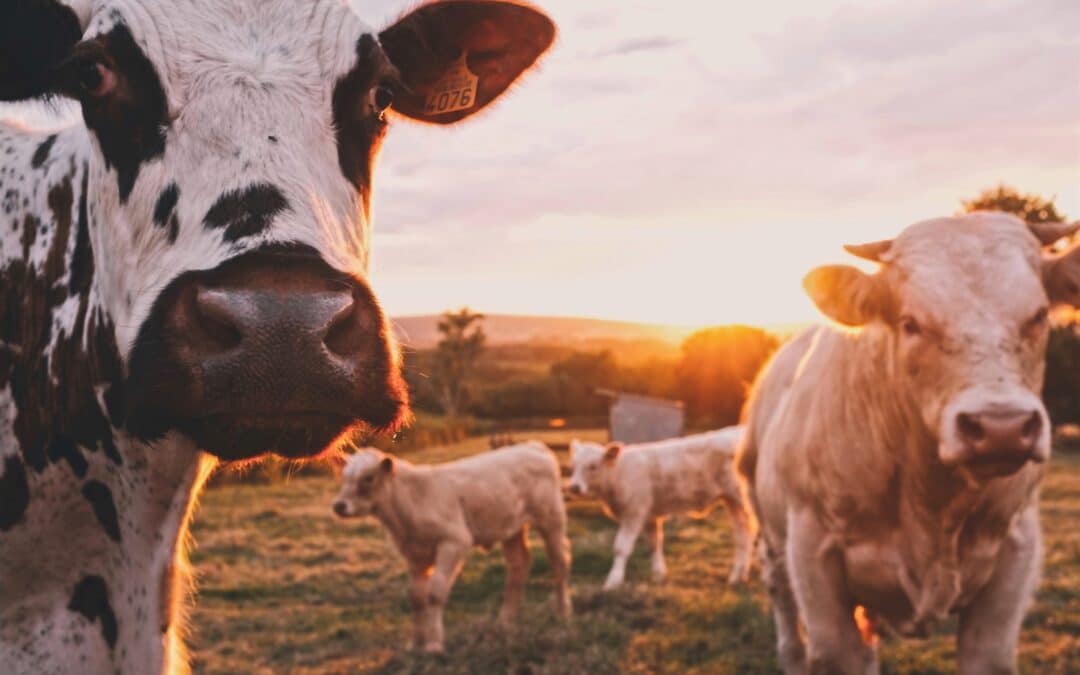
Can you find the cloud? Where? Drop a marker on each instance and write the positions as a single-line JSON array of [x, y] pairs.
[[641, 44]]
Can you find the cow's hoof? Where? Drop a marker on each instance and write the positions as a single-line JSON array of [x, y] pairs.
[[612, 585], [434, 648]]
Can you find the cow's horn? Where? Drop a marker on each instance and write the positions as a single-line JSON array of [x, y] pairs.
[[1050, 233], [875, 250]]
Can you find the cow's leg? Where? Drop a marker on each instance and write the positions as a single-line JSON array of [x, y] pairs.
[[789, 641], [815, 567], [654, 537], [742, 531], [448, 560], [990, 625], [518, 559], [419, 576], [558, 552], [629, 529]]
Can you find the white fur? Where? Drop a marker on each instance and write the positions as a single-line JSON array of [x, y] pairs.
[[648, 482]]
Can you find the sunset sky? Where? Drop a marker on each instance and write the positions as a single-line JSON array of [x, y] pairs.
[[688, 162]]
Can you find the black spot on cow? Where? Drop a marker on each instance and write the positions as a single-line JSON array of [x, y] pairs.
[[35, 37], [63, 448], [101, 500], [31, 225], [165, 211], [358, 133], [61, 198], [246, 212], [42, 152], [82, 261], [130, 123], [14, 493], [91, 599], [11, 200]]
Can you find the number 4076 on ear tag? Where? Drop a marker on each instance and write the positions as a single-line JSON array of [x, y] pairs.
[[456, 90]]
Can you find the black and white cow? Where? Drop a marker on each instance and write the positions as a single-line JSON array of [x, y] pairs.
[[185, 272]]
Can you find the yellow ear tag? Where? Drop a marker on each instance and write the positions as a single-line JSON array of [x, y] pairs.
[[456, 90]]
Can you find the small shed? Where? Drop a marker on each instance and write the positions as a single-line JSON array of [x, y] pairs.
[[634, 418]]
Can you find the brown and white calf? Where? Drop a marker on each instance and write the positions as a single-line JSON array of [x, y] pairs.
[[894, 462], [436, 514], [183, 277], [641, 485]]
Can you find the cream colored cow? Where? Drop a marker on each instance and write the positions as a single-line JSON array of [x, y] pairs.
[[894, 463], [436, 514], [641, 485]]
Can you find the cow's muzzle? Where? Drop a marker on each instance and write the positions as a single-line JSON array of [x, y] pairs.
[[271, 352], [997, 439]]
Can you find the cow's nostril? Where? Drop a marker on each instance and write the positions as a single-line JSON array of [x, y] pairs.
[[970, 428], [349, 331], [216, 316], [1032, 427], [208, 324], [339, 508]]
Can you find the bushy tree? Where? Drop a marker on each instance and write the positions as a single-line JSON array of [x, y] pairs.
[[578, 376], [717, 367], [1061, 391], [1032, 208], [460, 346]]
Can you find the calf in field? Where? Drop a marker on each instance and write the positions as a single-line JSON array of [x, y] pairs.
[[895, 463], [436, 514], [641, 485], [183, 272]]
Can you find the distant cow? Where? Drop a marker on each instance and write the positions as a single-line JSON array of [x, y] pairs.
[[436, 514], [184, 270], [641, 485], [895, 463]]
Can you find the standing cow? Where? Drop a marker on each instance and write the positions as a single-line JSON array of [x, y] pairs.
[[184, 271], [436, 514], [641, 485], [895, 463]]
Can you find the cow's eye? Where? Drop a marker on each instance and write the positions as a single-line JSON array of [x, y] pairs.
[[382, 97], [910, 326], [1039, 320], [93, 78]]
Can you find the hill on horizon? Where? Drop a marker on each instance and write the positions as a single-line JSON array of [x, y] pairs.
[[421, 332]]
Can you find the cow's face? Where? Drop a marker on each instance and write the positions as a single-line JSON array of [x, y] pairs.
[[230, 181], [365, 477], [965, 301], [591, 466]]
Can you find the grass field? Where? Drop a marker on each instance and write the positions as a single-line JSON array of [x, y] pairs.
[[286, 588]]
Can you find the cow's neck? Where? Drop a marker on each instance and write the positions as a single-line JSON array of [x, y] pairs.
[[91, 517]]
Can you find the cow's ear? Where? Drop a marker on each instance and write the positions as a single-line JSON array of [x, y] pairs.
[[457, 56], [387, 465], [612, 451], [847, 295], [36, 36], [1061, 277]]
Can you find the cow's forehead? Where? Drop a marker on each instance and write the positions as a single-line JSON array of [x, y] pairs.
[[584, 451], [361, 463], [989, 263], [192, 41]]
